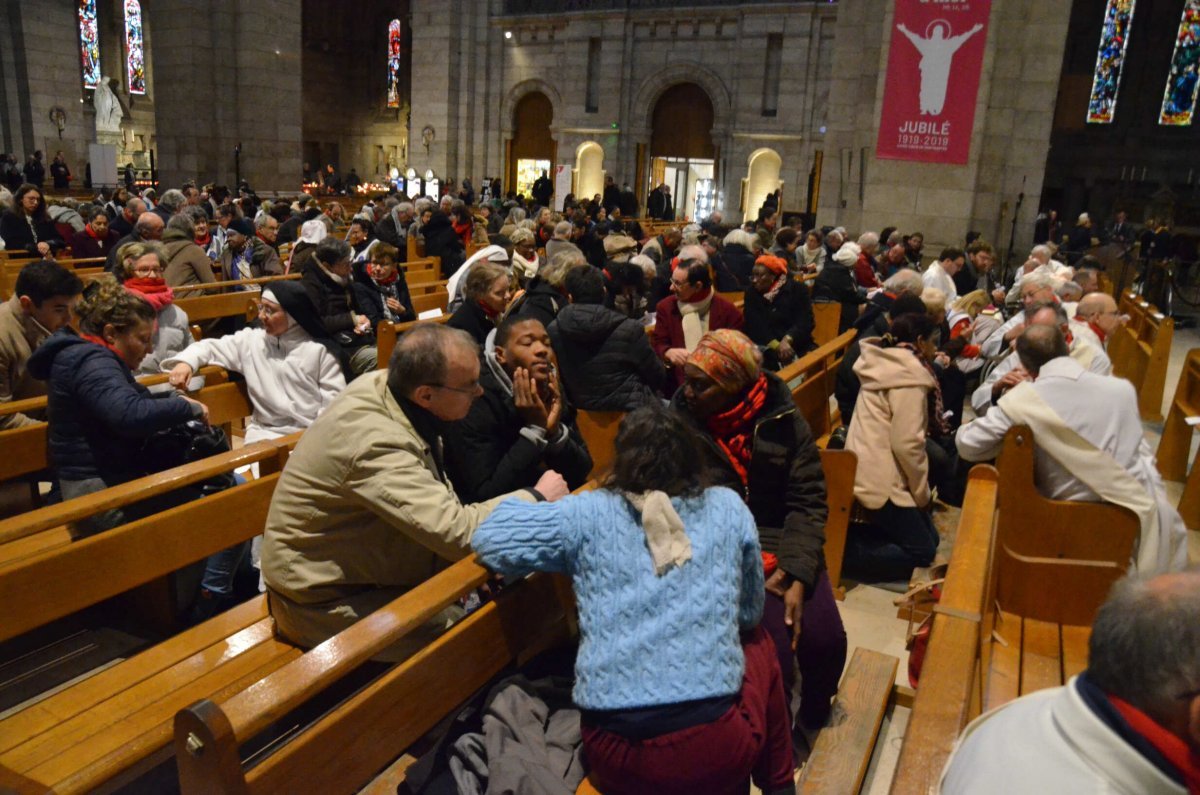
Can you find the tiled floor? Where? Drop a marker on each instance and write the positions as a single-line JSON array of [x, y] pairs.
[[870, 615]]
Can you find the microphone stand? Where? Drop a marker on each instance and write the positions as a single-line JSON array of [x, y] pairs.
[[1012, 236]]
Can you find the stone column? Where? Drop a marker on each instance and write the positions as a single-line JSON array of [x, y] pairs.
[[227, 73]]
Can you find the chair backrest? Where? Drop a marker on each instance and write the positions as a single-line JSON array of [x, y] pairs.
[[826, 319], [599, 432], [1055, 560], [839, 467], [212, 307], [435, 300]]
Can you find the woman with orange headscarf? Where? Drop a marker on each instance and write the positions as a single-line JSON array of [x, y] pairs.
[[778, 311], [759, 445]]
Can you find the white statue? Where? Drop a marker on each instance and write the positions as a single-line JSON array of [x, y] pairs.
[[108, 108], [937, 50]]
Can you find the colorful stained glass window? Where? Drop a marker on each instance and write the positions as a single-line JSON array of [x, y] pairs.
[[1110, 58], [1179, 99], [89, 43], [135, 58], [393, 64]]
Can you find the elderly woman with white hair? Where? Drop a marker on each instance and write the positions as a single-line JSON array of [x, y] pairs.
[[525, 259], [835, 284], [739, 251], [866, 268]]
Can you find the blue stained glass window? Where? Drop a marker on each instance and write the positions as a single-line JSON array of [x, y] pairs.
[[1179, 98], [1110, 58], [135, 59], [393, 64], [89, 43]]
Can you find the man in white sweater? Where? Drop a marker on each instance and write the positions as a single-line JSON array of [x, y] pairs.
[[940, 273]]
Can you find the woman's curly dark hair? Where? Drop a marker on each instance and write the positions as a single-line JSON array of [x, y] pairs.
[[657, 450]]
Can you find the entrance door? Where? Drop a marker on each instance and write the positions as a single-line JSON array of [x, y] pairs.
[[682, 151]]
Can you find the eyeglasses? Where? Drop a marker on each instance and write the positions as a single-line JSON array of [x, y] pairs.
[[153, 270], [470, 389]]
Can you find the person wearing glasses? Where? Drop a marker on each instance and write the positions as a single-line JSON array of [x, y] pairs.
[[1129, 723], [691, 311], [364, 511], [141, 269]]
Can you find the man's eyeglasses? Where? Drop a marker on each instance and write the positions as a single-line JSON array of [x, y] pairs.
[[470, 389]]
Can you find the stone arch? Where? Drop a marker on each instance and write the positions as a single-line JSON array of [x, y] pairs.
[[518, 92], [589, 169], [763, 167], [654, 85]]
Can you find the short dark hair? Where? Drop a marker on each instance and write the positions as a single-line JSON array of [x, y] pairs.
[[367, 227], [1088, 262], [331, 251], [907, 304], [421, 355], [951, 253], [1038, 345], [910, 328], [697, 272], [786, 236], [585, 285], [46, 279], [648, 436], [505, 329]]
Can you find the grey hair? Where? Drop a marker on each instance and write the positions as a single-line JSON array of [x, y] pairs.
[[182, 222], [905, 280], [1039, 280], [331, 251], [645, 263], [261, 221], [1040, 249], [691, 235], [1145, 643], [742, 238], [424, 203], [421, 355], [554, 272], [695, 252], [520, 236], [145, 221], [562, 229], [172, 199], [1069, 291], [404, 207], [132, 203], [895, 238], [528, 223], [515, 216], [196, 214], [868, 239], [834, 235], [1060, 312]]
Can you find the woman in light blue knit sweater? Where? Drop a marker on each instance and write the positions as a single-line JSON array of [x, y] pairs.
[[680, 689]]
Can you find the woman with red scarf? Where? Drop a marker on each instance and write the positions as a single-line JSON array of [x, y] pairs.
[[142, 266], [486, 295], [758, 444], [463, 223], [96, 239]]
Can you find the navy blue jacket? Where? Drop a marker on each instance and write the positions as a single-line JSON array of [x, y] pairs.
[[98, 413]]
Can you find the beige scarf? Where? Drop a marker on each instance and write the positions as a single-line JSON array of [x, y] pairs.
[[1156, 551], [695, 320], [668, 543]]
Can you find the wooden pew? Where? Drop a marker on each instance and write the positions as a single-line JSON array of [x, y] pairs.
[[435, 300], [1140, 352], [202, 308], [387, 333], [104, 731], [839, 467], [599, 432], [826, 319], [259, 282], [427, 288], [1176, 443], [812, 378], [999, 632]]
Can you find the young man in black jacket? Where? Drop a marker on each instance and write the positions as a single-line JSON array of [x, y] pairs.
[[521, 426]]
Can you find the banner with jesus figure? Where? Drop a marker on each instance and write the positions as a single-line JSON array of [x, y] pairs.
[[933, 69]]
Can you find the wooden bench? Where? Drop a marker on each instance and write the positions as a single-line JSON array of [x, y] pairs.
[[259, 282], [435, 300], [106, 730], [200, 308], [826, 319], [1140, 352], [1025, 580], [812, 379], [599, 432], [1175, 446], [388, 332]]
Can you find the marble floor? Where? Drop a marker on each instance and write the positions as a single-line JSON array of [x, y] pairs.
[[870, 616]]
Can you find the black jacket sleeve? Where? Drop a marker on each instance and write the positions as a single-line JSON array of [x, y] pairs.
[[802, 329], [370, 301], [646, 362], [801, 549], [572, 460]]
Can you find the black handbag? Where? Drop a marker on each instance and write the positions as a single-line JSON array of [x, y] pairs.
[[184, 444]]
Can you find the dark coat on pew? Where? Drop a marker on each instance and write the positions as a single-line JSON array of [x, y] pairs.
[[835, 283], [786, 483], [336, 306], [789, 315], [98, 413], [488, 455], [606, 360], [471, 318], [442, 241]]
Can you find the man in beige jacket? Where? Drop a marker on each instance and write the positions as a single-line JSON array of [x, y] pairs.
[[364, 511], [41, 305]]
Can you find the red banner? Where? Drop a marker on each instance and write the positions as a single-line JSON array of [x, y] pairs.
[[932, 80]]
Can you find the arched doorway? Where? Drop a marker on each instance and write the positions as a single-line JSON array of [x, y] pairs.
[[531, 150], [762, 177], [589, 170], [682, 152]]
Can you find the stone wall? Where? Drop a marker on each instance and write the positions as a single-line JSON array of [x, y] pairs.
[[643, 53], [1013, 116]]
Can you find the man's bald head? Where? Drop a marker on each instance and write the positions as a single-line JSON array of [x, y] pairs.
[[1145, 649], [1039, 344], [149, 226], [1100, 310], [1087, 279]]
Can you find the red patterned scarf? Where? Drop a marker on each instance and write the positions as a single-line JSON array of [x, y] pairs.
[[733, 429]]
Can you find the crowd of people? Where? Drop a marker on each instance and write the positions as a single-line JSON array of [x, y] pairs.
[[705, 607]]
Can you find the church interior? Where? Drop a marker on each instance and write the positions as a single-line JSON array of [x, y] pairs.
[[562, 396]]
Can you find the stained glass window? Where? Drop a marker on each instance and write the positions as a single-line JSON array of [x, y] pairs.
[[393, 64], [89, 43], [1179, 99], [135, 59], [1118, 17]]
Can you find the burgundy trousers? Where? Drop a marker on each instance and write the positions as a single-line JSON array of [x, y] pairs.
[[751, 740]]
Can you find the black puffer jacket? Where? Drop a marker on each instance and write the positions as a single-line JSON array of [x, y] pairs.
[[739, 261], [789, 315], [442, 241], [605, 359], [835, 283], [99, 414], [471, 318], [540, 302], [336, 305], [786, 490]]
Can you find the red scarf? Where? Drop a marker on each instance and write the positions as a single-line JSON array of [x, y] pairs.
[[463, 230], [371, 269], [203, 242], [492, 314], [92, 233], [733, 429], [1173, 749], [263, 239], [698, 297], [154, 291], [1099, 331], [103, 343]]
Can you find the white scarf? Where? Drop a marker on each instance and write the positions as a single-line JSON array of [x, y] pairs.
[[668, 543], [695, 320]]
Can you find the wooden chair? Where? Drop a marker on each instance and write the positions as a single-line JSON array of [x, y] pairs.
[[839, 467], [105, 731], [826, 319], [1176, 443]]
